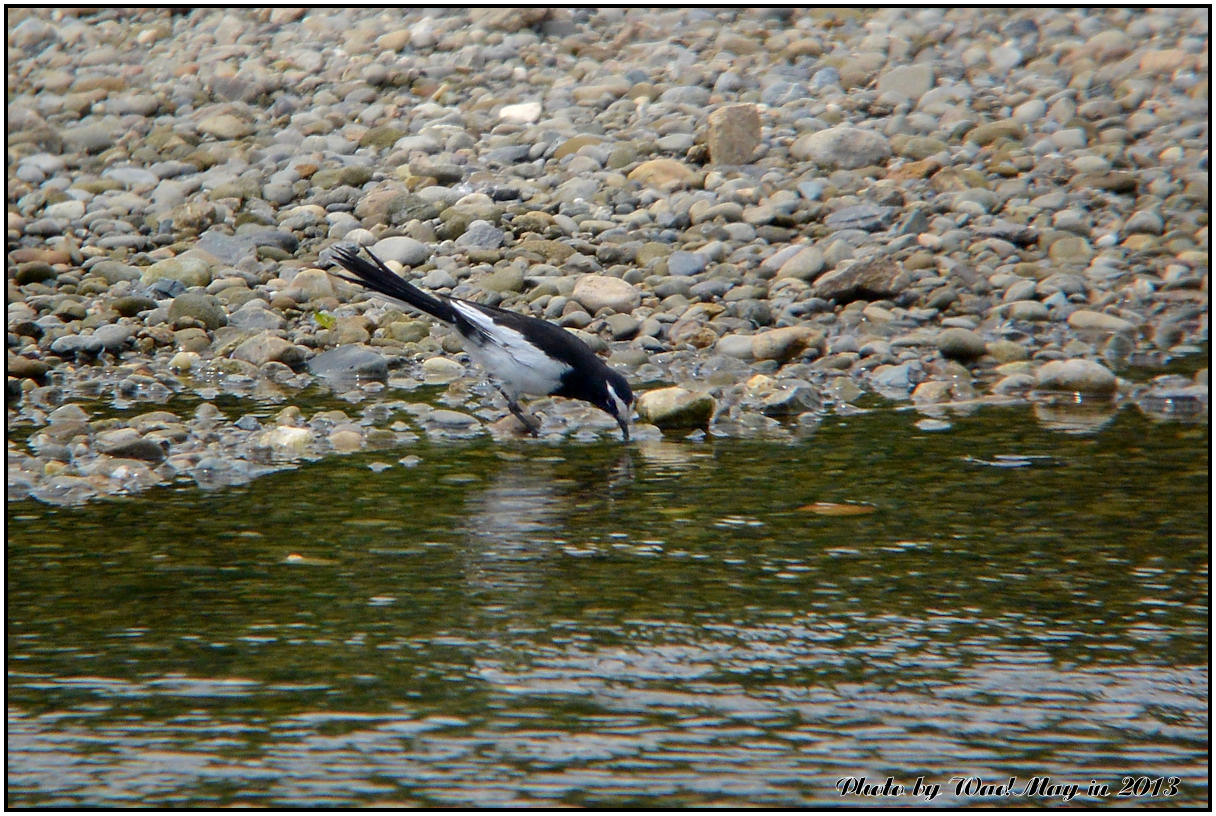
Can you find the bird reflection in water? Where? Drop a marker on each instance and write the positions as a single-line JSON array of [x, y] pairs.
[[515, 527]]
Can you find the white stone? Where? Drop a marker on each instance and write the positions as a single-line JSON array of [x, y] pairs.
[[525, 113], [597, 291]]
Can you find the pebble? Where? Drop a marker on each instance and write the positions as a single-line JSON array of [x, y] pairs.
[[806, 264], [224, 126], [1076, 375], [481, 235], [665, 174], [960, 344], [733, 134], [310, 284], [1088, 319], [785, 343], [842, 147], [909, 82], [441, 370], [346, 440], [686, 264], [841, 218], [287, 441], [188, 269], [523, 113], [597, 292], [402, 249], [676, 407], [197, 306], [349, 361], [266, 347]]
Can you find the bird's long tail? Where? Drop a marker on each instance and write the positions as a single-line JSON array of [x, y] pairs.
[[380, 278]]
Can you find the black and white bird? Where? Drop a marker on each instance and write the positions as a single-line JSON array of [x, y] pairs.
[[523, 355]]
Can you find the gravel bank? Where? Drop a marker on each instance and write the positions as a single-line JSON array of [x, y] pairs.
[[772, 213]]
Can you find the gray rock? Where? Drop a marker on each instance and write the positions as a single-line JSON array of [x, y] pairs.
[[143, 104], [115, 271], [735, 345], [869, 217], [1173, 398], [277, 238], [135, 178], [785, 343], [349, 362], [1144, 221], [31, 31], [70, 345], [94, 136], [1031, 310], [733, 134], [598, 291], [309, 284], [230, 249], [131, 305], [113, 336], [46, 226], [811, 190], [686, 95], [1076, 375], [872, 279], [790, 401], [1083, 319], [451, 419], [1020, 290], [676, 407], [825, 78], [438, 279], [783, 92], [189, 269], [253, 315], [224, 126], [622, 326], [126, 443], [907, 81], [675, 142], [896, 380], [266, 347], [69, 413], [507, 279], [960, 344], [402, 249], [1005, 58], [481, 235], [710, 289], [27, 367], [685, 264], [34, 272], [204, 308], [65, 210], [842, 147], [1014, 384]]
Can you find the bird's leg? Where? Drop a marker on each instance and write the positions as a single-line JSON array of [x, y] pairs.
[[528, 422]]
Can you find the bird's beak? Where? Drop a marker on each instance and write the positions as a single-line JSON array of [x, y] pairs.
[[623, 421]]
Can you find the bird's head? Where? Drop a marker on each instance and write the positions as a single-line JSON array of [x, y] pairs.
[[617, 400]]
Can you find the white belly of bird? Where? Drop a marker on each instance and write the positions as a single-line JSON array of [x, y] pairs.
[[516, 365]]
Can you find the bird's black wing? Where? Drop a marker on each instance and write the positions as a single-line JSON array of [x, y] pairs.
[[550, 338]]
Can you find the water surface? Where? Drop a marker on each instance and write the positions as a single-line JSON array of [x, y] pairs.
[[666, 624]]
